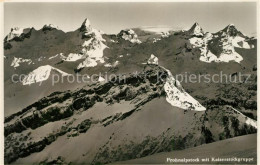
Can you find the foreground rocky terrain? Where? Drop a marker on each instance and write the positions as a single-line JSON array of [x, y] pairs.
[[125, 119], [238, 147]]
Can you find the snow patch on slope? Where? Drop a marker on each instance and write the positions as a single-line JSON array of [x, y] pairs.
[[207, 56], [157, 30], [196, 42], [87, 43], [109, 65], [249, 121], [17, 61], [61, 56], [74, 57], [92, 47], [88, 62], [112, 40], [93, 52], [42, 73], [101, 79], [178, 97], [228, 51]]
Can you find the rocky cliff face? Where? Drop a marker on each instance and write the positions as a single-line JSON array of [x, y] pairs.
[[145, 112]]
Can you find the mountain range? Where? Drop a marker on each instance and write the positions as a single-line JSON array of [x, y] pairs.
[[106, 121]]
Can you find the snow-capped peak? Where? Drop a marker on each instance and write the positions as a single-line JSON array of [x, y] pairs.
[[108, 65], [86, 26], [196, 30], [129, 35], [88, 62], [42, 73], [153, 60], [226, 44], [177, 96], [15, 32], [50, 27], [89, 32], [60, 55], [226, 40]]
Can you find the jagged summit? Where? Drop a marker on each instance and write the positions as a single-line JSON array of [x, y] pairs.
[[15, 32], [50, 27], [196, 24], [86, 26], [18, 34], [64, 88], [231, 30], [196, 30], [86, 22]]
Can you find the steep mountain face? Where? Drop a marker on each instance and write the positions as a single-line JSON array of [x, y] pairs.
[[196, 30], [231, 31], [147, 111], [49, 27], [219, 47], [64, 117]]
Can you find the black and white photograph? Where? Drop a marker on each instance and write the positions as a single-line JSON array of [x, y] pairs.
[[129, 82]]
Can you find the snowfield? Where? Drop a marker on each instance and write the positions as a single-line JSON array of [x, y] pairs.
[[40, 74]]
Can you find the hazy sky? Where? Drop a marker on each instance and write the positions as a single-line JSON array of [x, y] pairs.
[[112, 17]]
